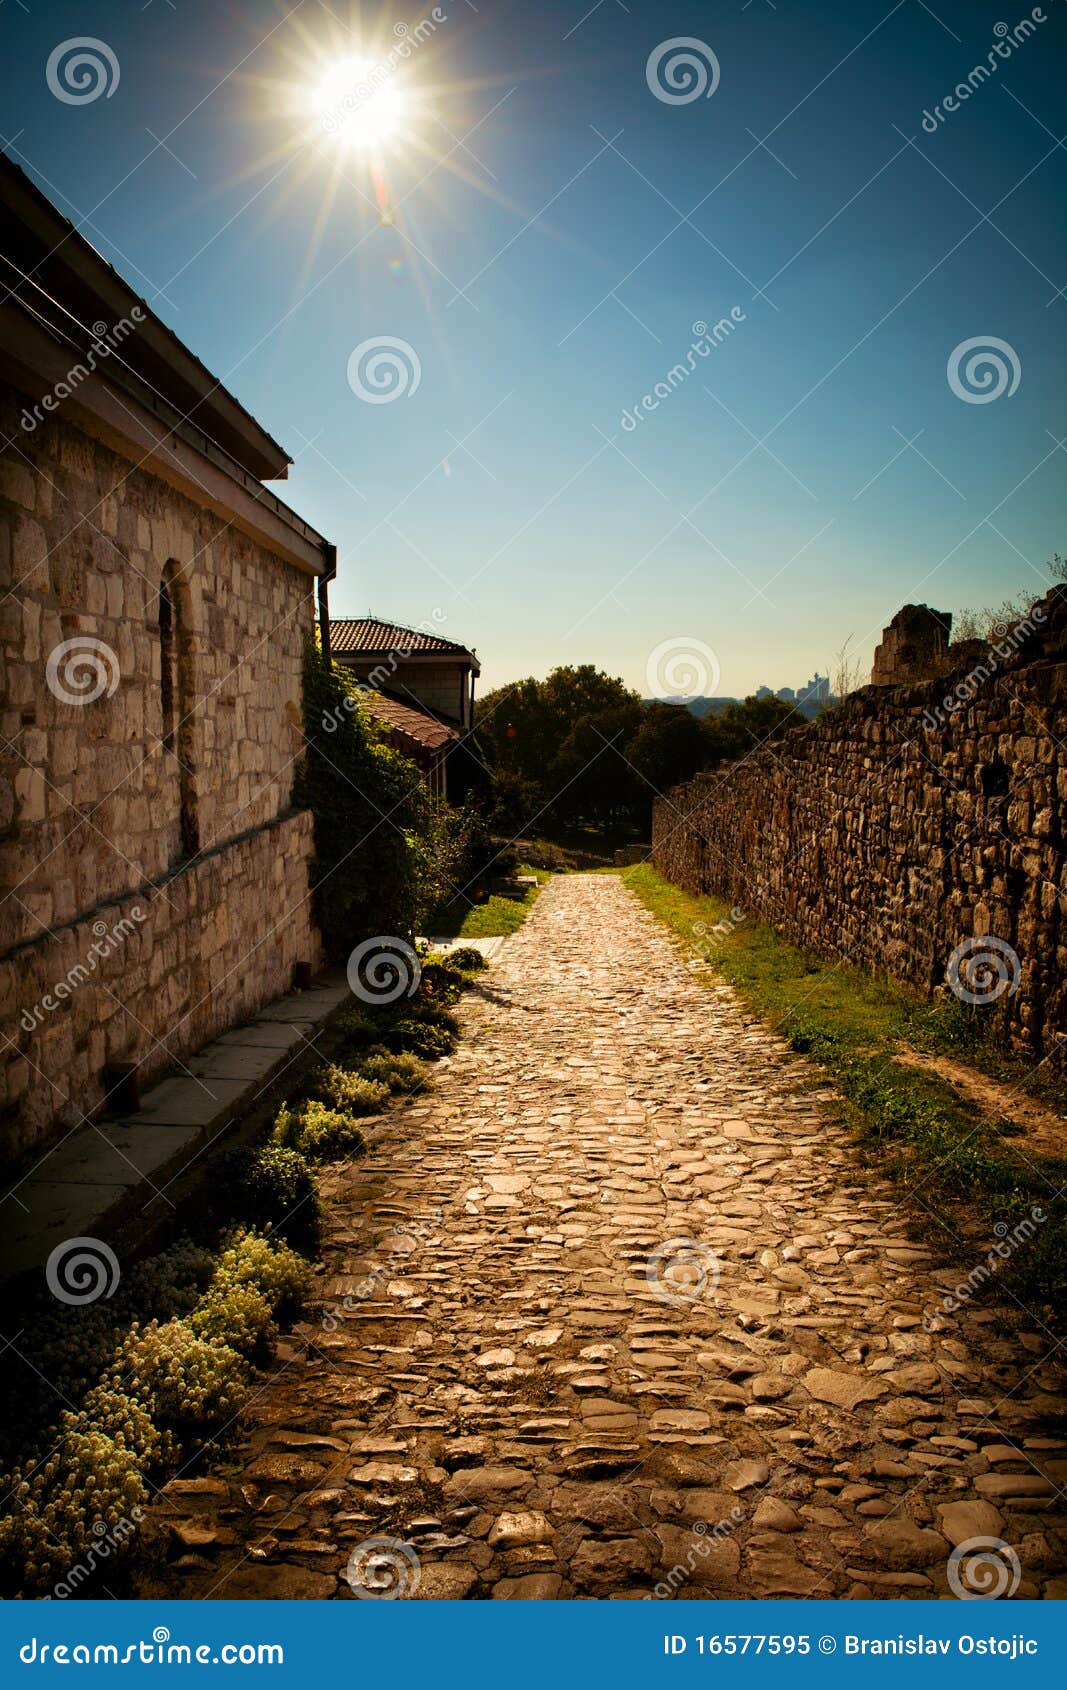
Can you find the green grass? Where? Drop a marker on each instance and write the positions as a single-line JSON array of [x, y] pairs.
[[852, 1023], [499, 915]]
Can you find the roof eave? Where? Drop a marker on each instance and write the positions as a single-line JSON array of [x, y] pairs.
[[35, 236]]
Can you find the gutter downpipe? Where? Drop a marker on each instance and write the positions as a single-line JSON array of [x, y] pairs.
[[329, 553]]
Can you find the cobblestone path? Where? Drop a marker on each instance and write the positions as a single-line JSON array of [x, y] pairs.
[[534, 1399]]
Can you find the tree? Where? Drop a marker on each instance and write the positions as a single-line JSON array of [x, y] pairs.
[[744, 727], [592, 779], [670, 745], [378, 852], [523, 727]]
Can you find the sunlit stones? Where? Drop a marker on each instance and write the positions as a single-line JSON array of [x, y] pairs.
[[359, 104]]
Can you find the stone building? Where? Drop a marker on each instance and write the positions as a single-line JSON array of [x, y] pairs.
[[420, 687], [154, 600]]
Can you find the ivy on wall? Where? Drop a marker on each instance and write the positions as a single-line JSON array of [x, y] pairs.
[[375, 868]]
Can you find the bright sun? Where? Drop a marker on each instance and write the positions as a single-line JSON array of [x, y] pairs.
[[359, 104]]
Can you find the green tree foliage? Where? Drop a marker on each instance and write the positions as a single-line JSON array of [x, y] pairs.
[[670, 745], [377, 864], [581, 748]]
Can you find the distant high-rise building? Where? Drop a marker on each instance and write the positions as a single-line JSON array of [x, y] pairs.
[[787, 695], [817, 690]]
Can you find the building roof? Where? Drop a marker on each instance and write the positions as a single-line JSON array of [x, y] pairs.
[[407, 722], [365, 636], [56, 274]]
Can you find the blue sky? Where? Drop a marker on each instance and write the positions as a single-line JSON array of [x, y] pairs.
[[553, 230]]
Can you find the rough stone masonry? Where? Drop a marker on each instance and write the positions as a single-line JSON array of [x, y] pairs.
[[905, 821], [154, 600]]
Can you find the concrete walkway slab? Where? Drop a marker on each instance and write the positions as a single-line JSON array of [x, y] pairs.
[[104, 1172], [489, 947]]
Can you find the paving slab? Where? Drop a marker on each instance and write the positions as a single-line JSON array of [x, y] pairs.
[[104, 1172]]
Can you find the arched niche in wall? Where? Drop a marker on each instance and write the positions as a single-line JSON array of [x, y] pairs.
[[178, 696]]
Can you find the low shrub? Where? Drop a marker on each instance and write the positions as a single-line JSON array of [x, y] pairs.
[[351, 1092], [424, 1037], [125, 1420], [68, 1347], [441, 982], [189, 1385], [283, 1277], [318, 1133], [167, 1386], [356, 1029], [60, 1509], [274, 1191], [399, 1072], [237, 1315], [468, 959]]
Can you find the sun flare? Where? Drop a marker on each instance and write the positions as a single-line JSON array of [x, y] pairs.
[[359, 103]]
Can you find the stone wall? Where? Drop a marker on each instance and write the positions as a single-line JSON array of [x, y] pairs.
[[904, 823], [132, 763], [913, 647], [151, 977]]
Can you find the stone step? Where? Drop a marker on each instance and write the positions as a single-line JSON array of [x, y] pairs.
[[106, 1171]]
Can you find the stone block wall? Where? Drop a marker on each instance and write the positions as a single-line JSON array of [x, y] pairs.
[[150, 977], [92, 804], [901, 824], [128, 771]]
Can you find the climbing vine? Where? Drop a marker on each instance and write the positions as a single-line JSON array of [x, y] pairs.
[[377, 866]]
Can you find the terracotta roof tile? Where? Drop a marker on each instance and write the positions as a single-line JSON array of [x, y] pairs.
[[350, 634], [409, 722]]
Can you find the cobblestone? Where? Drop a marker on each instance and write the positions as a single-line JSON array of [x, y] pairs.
[[657, 1327]]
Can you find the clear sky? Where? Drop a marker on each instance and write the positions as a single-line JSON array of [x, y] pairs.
[[543, 231]]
